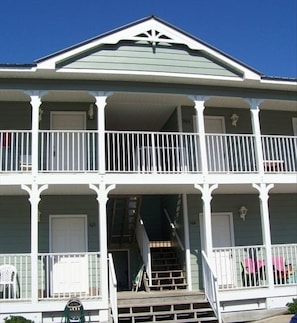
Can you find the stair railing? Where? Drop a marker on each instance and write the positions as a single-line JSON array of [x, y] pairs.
[[174, 230], [144, 247], [112, 292], [211, 286]]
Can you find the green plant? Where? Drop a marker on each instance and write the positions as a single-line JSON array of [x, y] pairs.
[[292, 307], [17, 319]]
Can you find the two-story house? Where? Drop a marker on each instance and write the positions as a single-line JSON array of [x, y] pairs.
[[145, 152]]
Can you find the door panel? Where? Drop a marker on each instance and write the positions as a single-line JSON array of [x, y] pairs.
[[222, 237], [69, 271], [215, 146], [68, 146]]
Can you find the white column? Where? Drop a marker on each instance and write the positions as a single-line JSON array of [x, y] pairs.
[[102, 197], [206, 191], [34, 198], [35, 103], [101, 98], [187, 241], [254, 104], [199, 107], [263, 190]]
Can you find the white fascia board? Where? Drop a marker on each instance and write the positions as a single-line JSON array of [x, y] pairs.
[[17, 69], [280, 82]]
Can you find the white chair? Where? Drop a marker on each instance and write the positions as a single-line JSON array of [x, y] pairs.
[[8, 281]]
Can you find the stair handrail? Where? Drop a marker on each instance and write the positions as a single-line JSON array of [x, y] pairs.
[[211, 286], [173, 227], [144, 247], [112, 289]]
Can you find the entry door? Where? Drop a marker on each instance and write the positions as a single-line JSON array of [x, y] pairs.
[[68, 146], [215, 146], [69, 271], [222, 237]]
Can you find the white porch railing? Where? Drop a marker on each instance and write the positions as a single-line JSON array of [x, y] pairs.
[[69, 275], [279, 153], [145, 152], [211, 286], [144, 247], [19, 287], [113, 299], [15, 151], [245, 267], [231, 153], [68, 151], [284, 261]]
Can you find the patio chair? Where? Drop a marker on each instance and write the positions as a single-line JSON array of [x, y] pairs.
[[74, 311], [249, 273], [280, 271], [9, 281]]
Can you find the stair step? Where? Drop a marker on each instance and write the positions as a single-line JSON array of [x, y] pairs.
[[168, 274], [168, 287], [165, 267]]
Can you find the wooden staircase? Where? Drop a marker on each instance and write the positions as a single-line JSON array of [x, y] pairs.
[[123, 213], [170, 306], [167, 273]]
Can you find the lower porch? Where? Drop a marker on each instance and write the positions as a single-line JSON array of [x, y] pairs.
[[253, 278], [245, 280]]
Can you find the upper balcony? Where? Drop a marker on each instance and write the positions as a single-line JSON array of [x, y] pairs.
[[144, 133], [145, 152]]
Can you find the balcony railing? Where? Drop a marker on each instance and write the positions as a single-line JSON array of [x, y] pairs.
[[152, 152], [15, 273], [279, 153], [231, 153], [15, 150], [245, 267], [69, 275], [145, 152]]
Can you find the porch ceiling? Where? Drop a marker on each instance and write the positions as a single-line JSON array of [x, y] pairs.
[[143, 111]]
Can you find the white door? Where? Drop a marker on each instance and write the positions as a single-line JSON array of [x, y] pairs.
[[70, 263], [215, 145], [68, 146], [222, 237]]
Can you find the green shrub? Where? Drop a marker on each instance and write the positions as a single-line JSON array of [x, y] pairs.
[[292, 307], [17, 319]]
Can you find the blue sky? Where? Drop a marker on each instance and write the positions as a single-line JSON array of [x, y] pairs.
[[260, 33]]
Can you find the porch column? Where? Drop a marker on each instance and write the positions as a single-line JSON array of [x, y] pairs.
[[199, 107], [102, 197], [34, 192], [206, 191], [254, 105], [101, 98], [187, 241], [35, 103], [263, 190]]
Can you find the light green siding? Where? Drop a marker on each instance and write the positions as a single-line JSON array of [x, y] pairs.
[[15, 225], [51, 205], [163, 58]]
